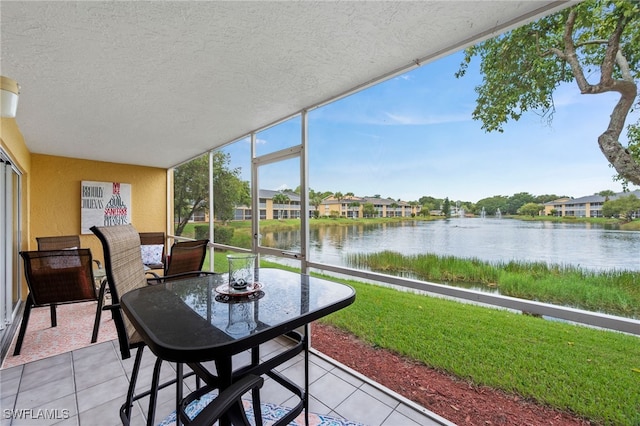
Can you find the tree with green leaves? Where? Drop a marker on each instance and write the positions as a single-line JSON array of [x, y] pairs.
[[424, 211], [594, 43], [430, 203], [393, 206], [315, 199], [516, 201], [467, 206], [191, 189], [545, 198], [446, 207], [624, 207], [354, 206], [280, 199], [339, 196], [369, 210], [492, 204], [530, 209]]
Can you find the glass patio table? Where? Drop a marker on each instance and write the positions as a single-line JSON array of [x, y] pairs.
[[194, 320]]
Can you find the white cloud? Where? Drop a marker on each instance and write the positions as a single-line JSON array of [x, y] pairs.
[[416, 120], [258, 140]]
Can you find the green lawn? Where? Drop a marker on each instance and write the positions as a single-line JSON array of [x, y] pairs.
[[592, 373]]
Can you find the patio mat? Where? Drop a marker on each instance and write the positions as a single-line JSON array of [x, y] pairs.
[[75, 324], [270, 414]]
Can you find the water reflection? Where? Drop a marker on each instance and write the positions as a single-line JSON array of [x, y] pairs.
[[283, 240], [585, 245]]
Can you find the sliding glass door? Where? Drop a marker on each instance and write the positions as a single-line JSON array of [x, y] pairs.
[[9, 245]]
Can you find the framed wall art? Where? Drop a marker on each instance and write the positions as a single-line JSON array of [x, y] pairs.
[[105, 204]]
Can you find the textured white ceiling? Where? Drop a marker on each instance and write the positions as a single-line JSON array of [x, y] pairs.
[[157, 83]]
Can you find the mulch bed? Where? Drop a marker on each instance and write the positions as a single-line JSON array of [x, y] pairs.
[[456, 400]]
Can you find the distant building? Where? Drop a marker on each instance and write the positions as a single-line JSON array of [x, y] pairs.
[[269, 209], [589, 206], [351, 207]]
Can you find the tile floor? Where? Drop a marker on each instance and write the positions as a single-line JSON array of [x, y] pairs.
[[88, 385]]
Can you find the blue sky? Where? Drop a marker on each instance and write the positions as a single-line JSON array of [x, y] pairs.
[[414, 135]]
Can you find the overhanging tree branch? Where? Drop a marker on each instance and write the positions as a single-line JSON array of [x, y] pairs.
[[518, 77]]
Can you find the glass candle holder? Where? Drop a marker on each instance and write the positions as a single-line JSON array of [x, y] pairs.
[[242, 270]]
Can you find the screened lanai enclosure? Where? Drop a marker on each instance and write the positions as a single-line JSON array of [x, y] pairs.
[[287, 92], [160, 83]]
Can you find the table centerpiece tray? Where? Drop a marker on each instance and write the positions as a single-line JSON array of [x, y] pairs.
[[252, 291]]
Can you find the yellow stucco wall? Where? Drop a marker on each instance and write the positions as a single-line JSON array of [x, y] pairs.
[[50, 192], [55, 196], [12, 143]]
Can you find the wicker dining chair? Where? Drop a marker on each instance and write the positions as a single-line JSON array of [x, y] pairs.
[[58, 242], [56, 277], [186, 256], [62, 242], [125, 272]]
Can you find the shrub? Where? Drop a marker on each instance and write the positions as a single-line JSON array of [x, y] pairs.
[[223, 234], [201, 232]]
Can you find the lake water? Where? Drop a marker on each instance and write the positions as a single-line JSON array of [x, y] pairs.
[[588, 246]]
